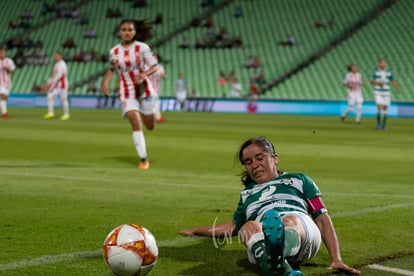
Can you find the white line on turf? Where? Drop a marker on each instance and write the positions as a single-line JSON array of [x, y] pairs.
[[361, 212], [391, 269], [51, 259], [238, 187], [111, 181]]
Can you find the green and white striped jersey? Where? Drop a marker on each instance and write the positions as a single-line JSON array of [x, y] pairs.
[[289, 192], [384, 76]]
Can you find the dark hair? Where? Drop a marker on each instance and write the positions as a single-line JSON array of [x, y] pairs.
[[349, 67], [144, 31], [261, 142]]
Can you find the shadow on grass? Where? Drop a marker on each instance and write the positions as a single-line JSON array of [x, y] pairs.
[[214, 261], [217, 261], [129, 159]]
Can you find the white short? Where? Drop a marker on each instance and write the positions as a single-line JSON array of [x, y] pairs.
[[382, 98], [181, 96], [355, 98], [145, 106], [62, 93], [4, 91], [309, 247]]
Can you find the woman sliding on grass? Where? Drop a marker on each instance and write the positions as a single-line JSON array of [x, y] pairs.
[[273, 217]]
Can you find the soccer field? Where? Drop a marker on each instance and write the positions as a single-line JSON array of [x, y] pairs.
[[65, 185]]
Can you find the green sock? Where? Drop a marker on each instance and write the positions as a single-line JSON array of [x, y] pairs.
[[378, 118], [384, 119], [292, 242], [259, 252]]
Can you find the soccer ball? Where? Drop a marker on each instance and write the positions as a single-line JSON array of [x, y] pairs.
[[130, 249]]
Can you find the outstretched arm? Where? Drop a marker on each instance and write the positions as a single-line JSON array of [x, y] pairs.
[[330, 239], [226, 229], [395, 84]]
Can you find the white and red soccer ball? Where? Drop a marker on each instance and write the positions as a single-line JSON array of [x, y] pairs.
[[130, 249]]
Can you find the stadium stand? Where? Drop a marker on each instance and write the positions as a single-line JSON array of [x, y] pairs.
[[382, 37], [263, 24]]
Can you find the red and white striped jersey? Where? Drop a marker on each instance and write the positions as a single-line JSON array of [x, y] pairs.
[[156, 77], [59, 77], [353, 80], [129, 62], [5, 75]]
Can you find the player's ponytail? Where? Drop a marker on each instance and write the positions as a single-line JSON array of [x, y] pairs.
[[144, 31]]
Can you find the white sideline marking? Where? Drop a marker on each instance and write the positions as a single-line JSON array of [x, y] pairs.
[[391, 269], [103, 180], [235, 187], [371, 210], [51, 259]]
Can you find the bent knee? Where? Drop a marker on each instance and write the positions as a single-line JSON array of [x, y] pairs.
[[248, 229], [295, 223]]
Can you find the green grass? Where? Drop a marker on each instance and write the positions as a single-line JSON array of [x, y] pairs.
[[65, 185]]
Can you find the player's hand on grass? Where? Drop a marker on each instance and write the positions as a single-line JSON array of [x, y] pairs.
[[344, 267]]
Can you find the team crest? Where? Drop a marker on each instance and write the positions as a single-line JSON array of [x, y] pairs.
[[286, 181]]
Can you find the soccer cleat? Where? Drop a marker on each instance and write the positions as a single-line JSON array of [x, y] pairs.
[[161, 120], [383, 127], [144, 165], [5, 116], [64, 118], [379, 126], [274, 233], [295, 273], [49, 116], [343, 118]]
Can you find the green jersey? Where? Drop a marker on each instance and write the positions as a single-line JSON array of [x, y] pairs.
[[384, 76], [289, 192]]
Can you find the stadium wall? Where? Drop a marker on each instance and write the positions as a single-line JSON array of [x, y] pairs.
[[300, 107]]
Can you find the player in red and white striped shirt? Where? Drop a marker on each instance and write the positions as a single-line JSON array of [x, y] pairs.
[[7, 67], [353, 81], [58, 85], [133, 61]]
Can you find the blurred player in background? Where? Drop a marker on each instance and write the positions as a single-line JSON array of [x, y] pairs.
[[7, 67], [381, 80], [353, 82], [156, 84], [181, 91], [58, 85], [133, 61], [280, 217]]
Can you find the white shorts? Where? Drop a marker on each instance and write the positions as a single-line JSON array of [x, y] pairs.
[[382, 98], [181, 96], [309, 247], [355, 98], [145, 105], [62, 93], [4, 91]]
